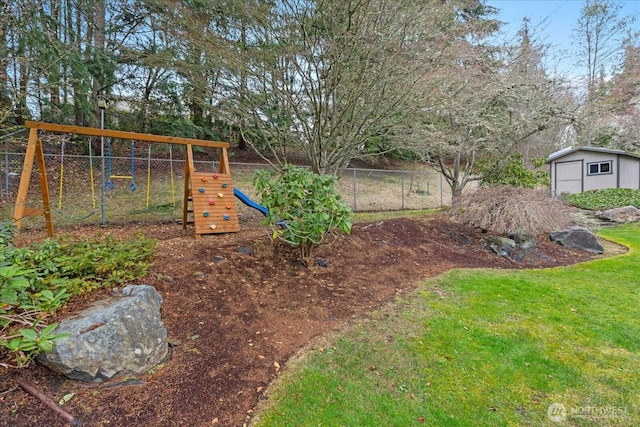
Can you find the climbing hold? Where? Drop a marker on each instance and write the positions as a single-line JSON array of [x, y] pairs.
[[221, 195], [201, 189], [215, 176], [204, 179], [212, 202], [205, 213], [228, 206], [226, 217], [212, 226], [224, 185]]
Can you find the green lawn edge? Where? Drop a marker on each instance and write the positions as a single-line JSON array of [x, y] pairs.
[[552, 347]]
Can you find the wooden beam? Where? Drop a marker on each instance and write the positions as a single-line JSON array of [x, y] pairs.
[[32, 212], [189, 168], [52, 127], [25, 179], [224, 168], [44, 187]]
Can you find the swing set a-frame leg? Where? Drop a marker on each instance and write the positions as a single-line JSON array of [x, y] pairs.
[[34, 152], [189, 168]]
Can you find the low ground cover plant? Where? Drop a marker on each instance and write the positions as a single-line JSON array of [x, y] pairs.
[[608, 198], [39, 279]]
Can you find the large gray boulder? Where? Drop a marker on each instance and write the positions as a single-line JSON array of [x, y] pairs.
[[621, 215], [578, 238], [122, 335]]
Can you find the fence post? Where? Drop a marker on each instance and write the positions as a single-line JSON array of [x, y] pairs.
[[441, 192], [402, 188], [103, 215], [6, 167], [355, 199]]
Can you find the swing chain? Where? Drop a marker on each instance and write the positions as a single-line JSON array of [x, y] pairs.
[[62, 178], [109, 185], [133, 186]]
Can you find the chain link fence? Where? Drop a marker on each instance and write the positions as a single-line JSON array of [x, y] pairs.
[[145, 182]]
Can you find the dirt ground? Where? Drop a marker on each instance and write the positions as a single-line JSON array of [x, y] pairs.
[[253, 305]]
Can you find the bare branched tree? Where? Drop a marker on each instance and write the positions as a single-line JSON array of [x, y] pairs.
[[612, 119], [6, 100], [324, 77], [488, 106], [600, 36]]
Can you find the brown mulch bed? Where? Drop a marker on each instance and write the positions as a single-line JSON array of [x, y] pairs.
[[253, 305]]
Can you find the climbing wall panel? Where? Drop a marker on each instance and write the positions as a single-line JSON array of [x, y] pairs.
[[214, 205]]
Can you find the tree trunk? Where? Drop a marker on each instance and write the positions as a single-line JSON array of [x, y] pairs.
[[79, 85], [54, 79], [21, 107], [5, 98], [242, 143], [99, 59]]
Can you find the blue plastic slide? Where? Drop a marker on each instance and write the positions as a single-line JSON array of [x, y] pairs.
[[247, 201]]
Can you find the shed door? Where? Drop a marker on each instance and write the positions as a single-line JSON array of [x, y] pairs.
[[569, 177]]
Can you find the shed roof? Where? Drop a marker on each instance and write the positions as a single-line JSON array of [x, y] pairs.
[[566, 151]]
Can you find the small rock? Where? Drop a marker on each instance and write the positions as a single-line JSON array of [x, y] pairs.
[[525, 241], [577, 238], [245, 250], [460, 238], [519, 256], [622, 215], [322, 263], [503, 246]]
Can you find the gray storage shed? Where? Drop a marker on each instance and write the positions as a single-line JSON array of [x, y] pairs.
[[578, 169]]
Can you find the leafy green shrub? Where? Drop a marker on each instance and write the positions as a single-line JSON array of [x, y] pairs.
[[511, 211], [36, 281], [513, 172], [605, 199], [303, 207]]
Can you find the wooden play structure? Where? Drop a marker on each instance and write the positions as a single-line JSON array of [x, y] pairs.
[[210, 195]]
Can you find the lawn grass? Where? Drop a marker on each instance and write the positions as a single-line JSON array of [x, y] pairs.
[[482, 348]]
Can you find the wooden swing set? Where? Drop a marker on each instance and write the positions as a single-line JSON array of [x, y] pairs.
[[211, 195]]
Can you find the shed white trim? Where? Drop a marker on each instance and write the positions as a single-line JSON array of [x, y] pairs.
[[578, 169], [566, 151]]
